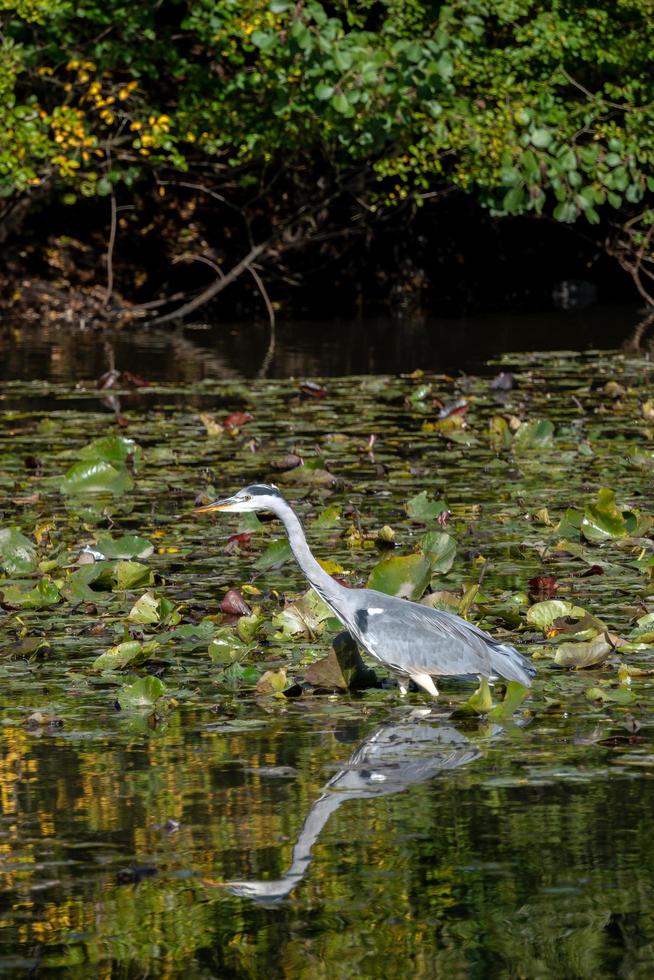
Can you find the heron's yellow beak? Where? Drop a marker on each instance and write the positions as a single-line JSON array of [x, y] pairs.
[[227, 504]]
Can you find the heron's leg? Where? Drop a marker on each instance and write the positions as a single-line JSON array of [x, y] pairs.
[[425, 680], [403, 685]]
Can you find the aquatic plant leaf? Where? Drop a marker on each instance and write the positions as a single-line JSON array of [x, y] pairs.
[[130, 653], [276, 553], [304, 617], [422, 509], [581, 655], [112, 449], [514, 696], [17, 552], [499, 434], [535, 434], [406, 576], [132, 575], [129, 546], [342, 669], [20, 595], [142, 694], [329, 517], [96, 476], [440, 548], [226, 647], [544, 614], [77, 586], [272, 682], [153, 610], [604, 519], [614, 695], [248, 626], [479, 703], [309, 476]]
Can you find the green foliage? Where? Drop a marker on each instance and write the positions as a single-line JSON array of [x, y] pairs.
[[529, 108]]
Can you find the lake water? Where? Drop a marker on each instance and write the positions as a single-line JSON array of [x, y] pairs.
[[195, 826]]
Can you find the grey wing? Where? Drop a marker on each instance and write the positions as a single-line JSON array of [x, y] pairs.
[[411, 637]]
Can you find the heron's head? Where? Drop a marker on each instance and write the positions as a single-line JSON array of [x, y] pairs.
[[258, 496]]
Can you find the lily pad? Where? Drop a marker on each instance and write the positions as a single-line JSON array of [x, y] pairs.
[[304, 617], [143, 694], [131, 653], [406, 576], [440, 548], [534, 434], [112, 449], [422, 509], [152, 610], [272, 682], [544, 614], [132, 575], [129, 546], [581, 655], [17, 553], [96, 476], [277, 553], [21, 596], [604, 519]]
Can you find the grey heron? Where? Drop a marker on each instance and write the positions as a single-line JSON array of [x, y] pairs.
[[415, 641]]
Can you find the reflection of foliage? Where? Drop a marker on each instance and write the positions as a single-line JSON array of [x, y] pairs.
[[531, 110]]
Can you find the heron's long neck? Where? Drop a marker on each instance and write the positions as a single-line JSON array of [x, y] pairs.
[[323, 583]]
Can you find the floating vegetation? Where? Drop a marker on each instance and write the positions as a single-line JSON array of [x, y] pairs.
[[152, 648]]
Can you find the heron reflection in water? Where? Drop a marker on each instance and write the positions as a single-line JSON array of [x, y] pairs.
[[392, 758]]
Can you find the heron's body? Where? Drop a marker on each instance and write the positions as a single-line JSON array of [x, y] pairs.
[[413, 640]]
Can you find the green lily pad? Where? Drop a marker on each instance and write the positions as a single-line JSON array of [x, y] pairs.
[[153, 610], [96, 476], [544, 614], [131, 653], [304, 617], [17, 553], [342, 669], [272, 682], [226, 647], [132, 575], [20, 595], [535, 434], [405, 576], [129, 546], [142, 694], [277, 553], [421, 508], [604, 519], [440, 548], [581, 655], [99, 574], [112, 449]]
